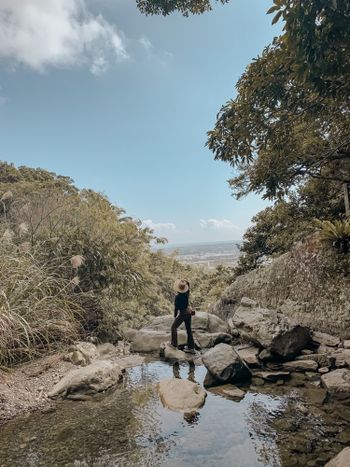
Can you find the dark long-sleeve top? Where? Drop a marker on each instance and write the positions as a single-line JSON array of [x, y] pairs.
[[181, 302]]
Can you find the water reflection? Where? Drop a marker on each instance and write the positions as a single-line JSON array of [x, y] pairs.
[[191, 371], [130, 427]]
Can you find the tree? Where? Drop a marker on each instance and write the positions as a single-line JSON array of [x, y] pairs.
[[279, 131], [166, 7]]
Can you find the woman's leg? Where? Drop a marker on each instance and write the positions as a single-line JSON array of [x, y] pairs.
[[190, 341], [177, 321]]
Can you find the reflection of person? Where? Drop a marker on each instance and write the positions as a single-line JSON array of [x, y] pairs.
[[191, 370], [182, 314]]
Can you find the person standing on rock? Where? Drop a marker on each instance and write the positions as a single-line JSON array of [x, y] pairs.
[[182, 314]]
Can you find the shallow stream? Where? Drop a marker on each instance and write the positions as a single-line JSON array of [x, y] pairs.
[[271, 426]]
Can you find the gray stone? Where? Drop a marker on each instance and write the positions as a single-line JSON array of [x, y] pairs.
[[271, 330], [169, 353], [181, 394], [85, 382], [337, 383], [249, 354], [323, 370], [341, 460], [248, 302], [208, 340], [266, 356], [306, 352], [225, 365], [233, 392], [301, 365], [322, 338], [342, 357], [346, 344], [150, 340], [82, 353], [323, 360], [232, 328]]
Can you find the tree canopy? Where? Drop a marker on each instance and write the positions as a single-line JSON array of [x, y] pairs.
[[166, 7]]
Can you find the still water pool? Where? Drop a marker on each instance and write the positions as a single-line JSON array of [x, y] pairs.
[[130, 427]]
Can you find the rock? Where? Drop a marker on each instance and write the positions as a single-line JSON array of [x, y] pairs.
[[83, 382], [346, 344], [322, 338], [225, 365], [208, 340], [337, 383], [342, 357], [323, 370], [82, 353], [249, 354], [315, 395], [208, 330], [266, 356], [301, 365], [271, 376], [306, 352], [233, 392], [257, 381], [149, 340], [107, 349], [341, 460], [323, 360], [271, 330], [248, 302], [210, 381], [232, 328], [169, 353], [181, 394]]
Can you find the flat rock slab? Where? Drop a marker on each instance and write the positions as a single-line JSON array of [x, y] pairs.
[[301, 365], [225, 365], [233, 392], [322, 338], [150, 340], [82, 383], [272, 376], [170, 354], [341, 460], [249, 354], [337, 383], [181, 395]]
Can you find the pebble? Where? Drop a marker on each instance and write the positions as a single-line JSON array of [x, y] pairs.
[[323, 370]]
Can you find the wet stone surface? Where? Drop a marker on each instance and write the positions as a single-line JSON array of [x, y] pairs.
[[271, 425]]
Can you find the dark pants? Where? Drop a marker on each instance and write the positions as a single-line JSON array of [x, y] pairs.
[[182, 317]]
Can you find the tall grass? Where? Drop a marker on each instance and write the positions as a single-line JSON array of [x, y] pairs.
[[37, 307]]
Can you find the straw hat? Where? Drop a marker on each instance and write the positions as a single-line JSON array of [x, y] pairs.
[[181, 286]]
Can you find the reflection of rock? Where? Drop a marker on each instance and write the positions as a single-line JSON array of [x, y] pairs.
[[300, 365], [181, 395], [224, 365], [337, 383], [271, 330], [341, 460], [87, 381], [272, 376], [208, 330]]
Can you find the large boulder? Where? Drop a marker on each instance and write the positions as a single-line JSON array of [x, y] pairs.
[[181, 394], [82, 383], [271, 330], [337, 383], [341, 460], [208, 330], [224, 365]]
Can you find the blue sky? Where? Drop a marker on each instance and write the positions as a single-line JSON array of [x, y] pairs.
[[122, 103]]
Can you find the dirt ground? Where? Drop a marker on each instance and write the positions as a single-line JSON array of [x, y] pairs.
[[24, 388]]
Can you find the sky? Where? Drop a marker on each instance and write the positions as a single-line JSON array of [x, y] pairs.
[[121, 103]]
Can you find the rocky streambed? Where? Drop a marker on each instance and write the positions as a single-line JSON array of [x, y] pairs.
[[261, 391]]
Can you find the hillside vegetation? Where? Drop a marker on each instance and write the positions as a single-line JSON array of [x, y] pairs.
[[72, 265]]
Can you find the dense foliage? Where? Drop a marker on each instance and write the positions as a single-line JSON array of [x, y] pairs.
[[166, 7], [73, 264]]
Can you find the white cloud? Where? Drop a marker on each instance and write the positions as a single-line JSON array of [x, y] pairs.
[[158, 226], [218, 224], [146, 43], [57, 33]]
